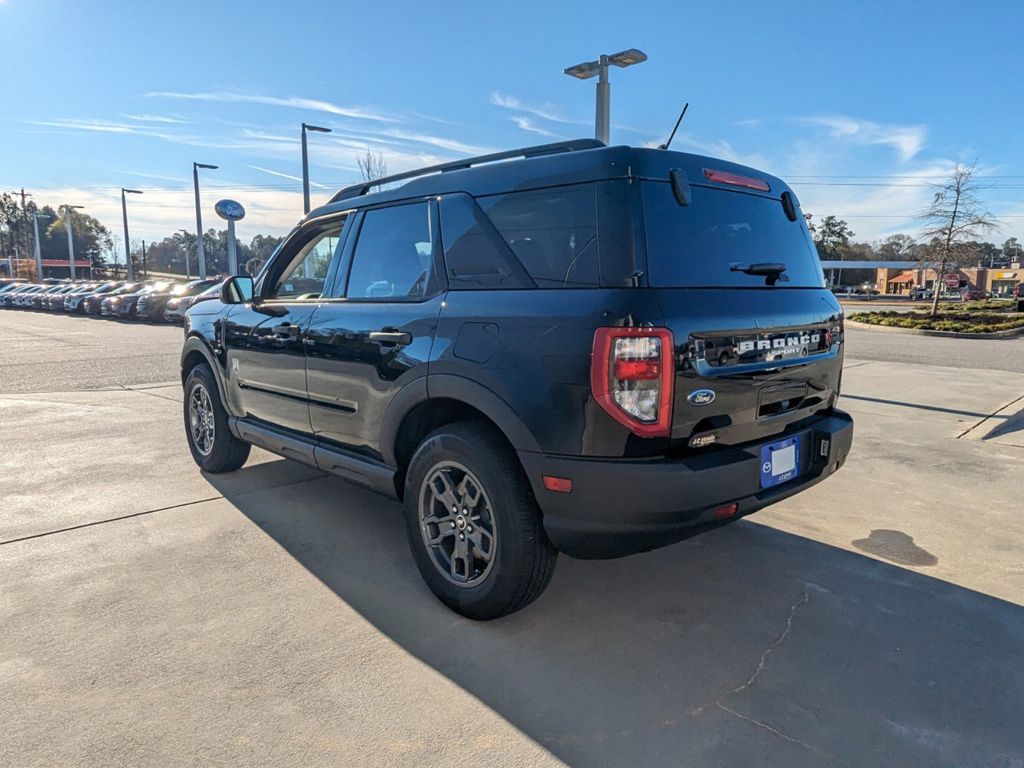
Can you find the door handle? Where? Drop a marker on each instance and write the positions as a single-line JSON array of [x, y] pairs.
[[286, 330], [391, 336]]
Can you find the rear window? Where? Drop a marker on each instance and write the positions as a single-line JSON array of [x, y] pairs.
[[694, 246]]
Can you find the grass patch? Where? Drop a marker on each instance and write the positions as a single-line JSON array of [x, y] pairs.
[[959, 320]]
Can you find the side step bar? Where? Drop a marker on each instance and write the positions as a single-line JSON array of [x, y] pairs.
[[348, 466]]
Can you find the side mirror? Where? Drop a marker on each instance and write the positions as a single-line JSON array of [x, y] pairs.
[[237, 290]]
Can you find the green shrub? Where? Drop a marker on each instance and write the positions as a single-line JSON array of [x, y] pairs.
[[973, 320]]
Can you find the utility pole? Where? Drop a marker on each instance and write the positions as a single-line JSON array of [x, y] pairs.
[[39, 251], [24, 216], [71, 244]]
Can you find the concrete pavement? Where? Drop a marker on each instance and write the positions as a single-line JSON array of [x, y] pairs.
[[154, 616]]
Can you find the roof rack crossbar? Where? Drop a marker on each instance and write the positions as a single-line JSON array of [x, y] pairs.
[[364, 187]]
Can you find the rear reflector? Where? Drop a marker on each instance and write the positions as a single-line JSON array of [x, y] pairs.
[[726, 510], [725, 177], [557, 484]]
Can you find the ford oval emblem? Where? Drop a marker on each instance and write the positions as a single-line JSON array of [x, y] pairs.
[[701, 397], [230, 210]]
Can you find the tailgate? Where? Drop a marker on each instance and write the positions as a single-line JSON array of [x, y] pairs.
[[750, 362]]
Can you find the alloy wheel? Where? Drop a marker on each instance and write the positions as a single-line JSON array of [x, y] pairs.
[[201, 419], [457, 524]]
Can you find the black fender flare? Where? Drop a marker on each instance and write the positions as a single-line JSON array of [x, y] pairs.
[[442, 385], [195, 343]]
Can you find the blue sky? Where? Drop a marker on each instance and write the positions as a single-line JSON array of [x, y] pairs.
[[858, 106]]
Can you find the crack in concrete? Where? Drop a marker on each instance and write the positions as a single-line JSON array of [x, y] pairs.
[[992, 415], [720, 701], [769, 728], [129, 516], [151, 394], [805, 597]]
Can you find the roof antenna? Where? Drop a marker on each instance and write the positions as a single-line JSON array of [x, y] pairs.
[[673, 134]]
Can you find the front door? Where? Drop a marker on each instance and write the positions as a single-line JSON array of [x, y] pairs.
[[264, 340], [375, 334]]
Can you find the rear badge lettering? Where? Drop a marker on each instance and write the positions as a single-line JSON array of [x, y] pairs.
[[701, 397]]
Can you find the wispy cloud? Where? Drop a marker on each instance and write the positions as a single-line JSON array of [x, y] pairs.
[[530, 126], [157, 119], [295, 102], [451, 145], [906, 140], [750, 122], [77, 124], [544, 111], [287, 176]]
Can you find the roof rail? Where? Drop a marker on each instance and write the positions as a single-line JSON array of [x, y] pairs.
[[364, 187]]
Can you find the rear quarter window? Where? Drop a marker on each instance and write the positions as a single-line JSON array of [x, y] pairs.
[[695, 246], [552, 232]]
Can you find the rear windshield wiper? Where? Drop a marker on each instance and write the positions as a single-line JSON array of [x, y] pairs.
[[771, 271]]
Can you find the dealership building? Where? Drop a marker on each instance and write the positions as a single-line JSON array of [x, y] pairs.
[[901, 277]]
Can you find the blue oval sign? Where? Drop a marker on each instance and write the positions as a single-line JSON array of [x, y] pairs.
[[230, 210], [701, 397]]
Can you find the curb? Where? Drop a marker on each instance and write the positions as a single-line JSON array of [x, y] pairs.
[[1008, 334]]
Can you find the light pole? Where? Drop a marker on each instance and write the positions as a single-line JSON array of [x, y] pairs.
[[188, 268], [36, 216], [71, 244], [200, 252], [305, 163], [129, 273], [587, 69]]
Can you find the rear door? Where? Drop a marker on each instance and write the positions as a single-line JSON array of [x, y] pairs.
[[374, 333], [264, 341]]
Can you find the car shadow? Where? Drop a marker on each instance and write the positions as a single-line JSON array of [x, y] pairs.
[[745, 646]]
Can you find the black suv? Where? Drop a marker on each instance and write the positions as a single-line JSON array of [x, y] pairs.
[[587, 349]]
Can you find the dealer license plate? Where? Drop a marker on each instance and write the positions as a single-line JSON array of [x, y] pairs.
[[780, 461]]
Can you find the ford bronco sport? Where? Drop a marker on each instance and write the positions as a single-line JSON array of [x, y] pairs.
[[568, 348]]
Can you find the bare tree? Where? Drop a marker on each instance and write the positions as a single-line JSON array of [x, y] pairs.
[[372, 165], [955, 217]]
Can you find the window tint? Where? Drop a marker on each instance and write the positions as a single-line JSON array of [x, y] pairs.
[[304, 277], [475, 255], [695, 245], [553, 233], [393, 257]]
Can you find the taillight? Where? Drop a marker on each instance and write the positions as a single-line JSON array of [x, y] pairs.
[[631, 375]]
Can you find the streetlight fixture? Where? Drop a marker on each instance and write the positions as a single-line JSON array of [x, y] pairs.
[[305, 163], [200, 252], [71, 245], [129, 274], [587, 69]]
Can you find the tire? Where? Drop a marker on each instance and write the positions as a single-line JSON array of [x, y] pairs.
[[214, 448], [506, 561]]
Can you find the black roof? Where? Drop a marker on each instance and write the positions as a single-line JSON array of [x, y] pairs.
[[569, 162]]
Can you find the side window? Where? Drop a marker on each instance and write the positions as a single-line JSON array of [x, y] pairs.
[[304, 277], [553, 233], [475, 255], [394, 255]]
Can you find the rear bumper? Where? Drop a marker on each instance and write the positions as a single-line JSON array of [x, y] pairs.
[[621, 506]]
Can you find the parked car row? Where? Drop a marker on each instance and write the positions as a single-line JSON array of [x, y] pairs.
[[152, 300]]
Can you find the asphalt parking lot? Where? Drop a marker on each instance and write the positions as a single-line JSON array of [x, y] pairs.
[[154, 616]]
